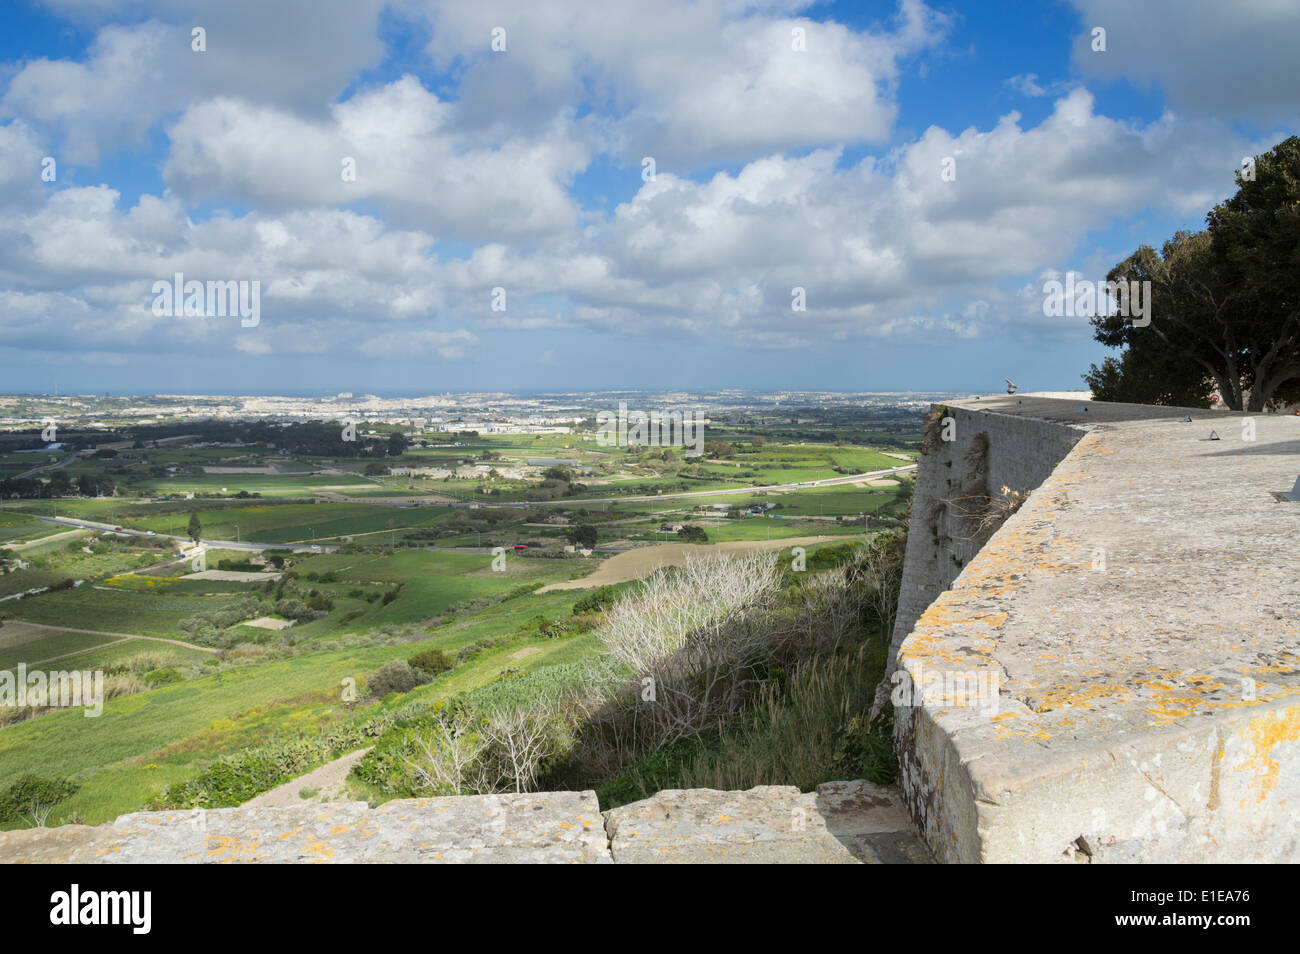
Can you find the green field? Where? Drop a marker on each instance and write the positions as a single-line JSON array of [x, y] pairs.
[[40, 645], [386, 595], [143, 742]]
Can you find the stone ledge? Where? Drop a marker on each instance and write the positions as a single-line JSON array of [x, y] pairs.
[[842, 822], [547, 827]]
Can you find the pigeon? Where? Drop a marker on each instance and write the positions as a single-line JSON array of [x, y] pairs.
[[1012, 387]]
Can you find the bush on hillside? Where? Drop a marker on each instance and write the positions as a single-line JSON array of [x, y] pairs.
[[595, 601], [397, 675], [432, 661], [32, 794]]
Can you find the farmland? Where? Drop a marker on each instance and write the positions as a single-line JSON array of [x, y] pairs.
[[316, 570]]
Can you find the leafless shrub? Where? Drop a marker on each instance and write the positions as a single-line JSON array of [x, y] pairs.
[[516, 741], [39, 813], [982, 513], [874, 578], [450, 762]]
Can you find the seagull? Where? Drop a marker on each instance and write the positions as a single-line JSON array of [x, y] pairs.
[[1012, 387]]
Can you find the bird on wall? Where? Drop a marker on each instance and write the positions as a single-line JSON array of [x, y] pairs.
[[1012, 387]]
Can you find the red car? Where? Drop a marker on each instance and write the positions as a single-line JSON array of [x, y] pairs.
[[520, 548]]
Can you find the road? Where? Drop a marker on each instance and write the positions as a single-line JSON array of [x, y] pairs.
[[210, 544], [55, 466], [122, 637]]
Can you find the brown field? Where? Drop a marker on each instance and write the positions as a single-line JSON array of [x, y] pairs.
[[641, 562]]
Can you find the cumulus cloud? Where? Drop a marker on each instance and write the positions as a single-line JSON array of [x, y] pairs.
[[395, 143], [686, 82], [300, 58], [465, 181], [1232, 60]]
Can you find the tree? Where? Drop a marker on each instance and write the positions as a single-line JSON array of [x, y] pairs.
[[582, 535], [1149, 376], [195, 529], [1257, 243], [1225, 303], [693, 534], [397, 444]]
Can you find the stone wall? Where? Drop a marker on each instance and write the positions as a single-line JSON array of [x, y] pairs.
[[840, 823], [1021, 454], [1138, 619]]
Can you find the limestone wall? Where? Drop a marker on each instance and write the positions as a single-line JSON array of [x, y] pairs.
[[840, 823], [1139, 619], [1021, 454]]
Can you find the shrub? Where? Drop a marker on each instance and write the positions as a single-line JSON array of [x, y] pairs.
[[595, 601], [432, 661], [394, 676], [163, 677], [31, 794]]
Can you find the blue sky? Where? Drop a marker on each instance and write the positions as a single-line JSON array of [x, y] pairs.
[[796, 145]]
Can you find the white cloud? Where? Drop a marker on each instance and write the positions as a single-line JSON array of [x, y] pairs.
[[1233, 60], [690, 82], [134, 75], [404, 150]]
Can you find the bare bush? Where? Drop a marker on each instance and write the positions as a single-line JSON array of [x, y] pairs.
[[450, 764], [516, 740], [983, 513], [39, 813]]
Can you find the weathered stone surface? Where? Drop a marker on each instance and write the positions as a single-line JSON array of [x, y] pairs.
[[548, 827], [1142, 614], [841, 823]]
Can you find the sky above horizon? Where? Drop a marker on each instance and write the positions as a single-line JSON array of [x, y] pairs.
[[426, 213]]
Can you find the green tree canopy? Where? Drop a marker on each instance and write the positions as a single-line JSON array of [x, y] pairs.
[[1225, 303], [582, 535]]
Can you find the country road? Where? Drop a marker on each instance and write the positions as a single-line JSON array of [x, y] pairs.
[[40, 470], [210, 544], [20, 627]]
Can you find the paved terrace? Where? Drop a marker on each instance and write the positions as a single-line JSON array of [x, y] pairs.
[[1142, 611]]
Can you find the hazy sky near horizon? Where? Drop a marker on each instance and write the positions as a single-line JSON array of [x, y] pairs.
[[524, 169]]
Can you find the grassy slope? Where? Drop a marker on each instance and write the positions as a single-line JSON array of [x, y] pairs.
[[144, 742]]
